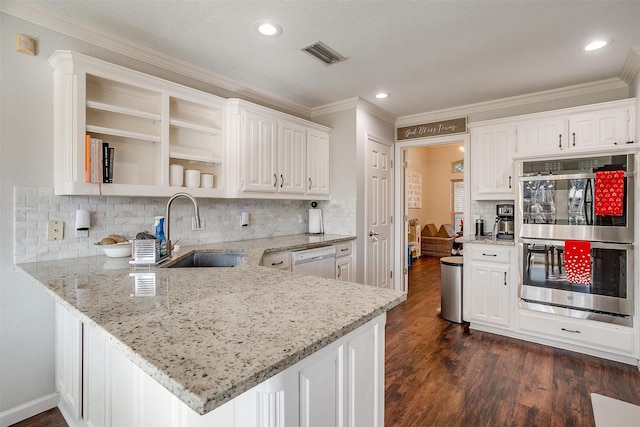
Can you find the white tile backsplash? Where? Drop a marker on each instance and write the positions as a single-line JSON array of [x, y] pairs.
[[34, 206]]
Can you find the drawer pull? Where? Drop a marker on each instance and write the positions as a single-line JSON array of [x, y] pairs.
[[344, 249], [483, 254], [505, 278], [277, 263], [569, 330]]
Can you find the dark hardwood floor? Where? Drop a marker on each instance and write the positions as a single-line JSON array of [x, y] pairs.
[[440, 373]]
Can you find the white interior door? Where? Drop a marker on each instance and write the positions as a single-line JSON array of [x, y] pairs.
[[379, 188]]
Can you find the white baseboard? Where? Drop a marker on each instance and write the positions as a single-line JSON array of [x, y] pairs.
[[29, 409]]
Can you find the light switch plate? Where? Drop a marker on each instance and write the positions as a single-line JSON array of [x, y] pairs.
[[55, 230]]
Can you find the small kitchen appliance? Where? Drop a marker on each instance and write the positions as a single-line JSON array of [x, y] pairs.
[[504, 218]]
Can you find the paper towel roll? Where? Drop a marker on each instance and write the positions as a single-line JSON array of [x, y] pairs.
[[315, 221]]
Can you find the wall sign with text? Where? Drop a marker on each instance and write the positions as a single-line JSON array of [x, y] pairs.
[[426, 130]]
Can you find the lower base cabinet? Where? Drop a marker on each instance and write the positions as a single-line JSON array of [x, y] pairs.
[[341, 384]]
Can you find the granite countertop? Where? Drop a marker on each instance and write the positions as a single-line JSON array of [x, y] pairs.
[[486, 240], [210, 334]]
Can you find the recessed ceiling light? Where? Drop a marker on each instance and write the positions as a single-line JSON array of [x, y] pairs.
[[595, 45], [268, 29], [382, 95]]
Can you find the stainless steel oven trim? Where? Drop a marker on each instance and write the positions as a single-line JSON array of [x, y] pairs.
[[563, 177], [569, 300], [580, 314]]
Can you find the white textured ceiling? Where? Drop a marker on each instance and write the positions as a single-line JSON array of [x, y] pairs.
[[429, 55]]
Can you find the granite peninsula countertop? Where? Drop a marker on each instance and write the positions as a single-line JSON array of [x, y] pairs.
[[210, 334]]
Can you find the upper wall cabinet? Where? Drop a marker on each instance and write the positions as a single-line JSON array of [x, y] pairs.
[[492, 149], [137, 126], [606, 126], [279, 155]]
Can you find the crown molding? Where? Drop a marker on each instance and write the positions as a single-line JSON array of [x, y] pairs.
[[514, 101], [352, 104], [631, 66], [122, 46]]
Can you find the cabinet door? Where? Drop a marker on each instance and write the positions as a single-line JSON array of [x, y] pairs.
[[259, 148], [292, 158], [489, 294], [68, 360], [318, 156], [344, 268], [541, 136], [492, 151], [321, 391], [599, 128]]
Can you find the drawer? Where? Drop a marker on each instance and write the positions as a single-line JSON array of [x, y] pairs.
[[601, 336], [490, 253], [280, 260], [344, 249]]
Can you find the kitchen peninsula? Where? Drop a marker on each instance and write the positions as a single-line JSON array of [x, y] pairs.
[[210, 336]]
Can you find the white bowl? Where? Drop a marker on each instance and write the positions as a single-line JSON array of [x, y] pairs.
[[119, 250]]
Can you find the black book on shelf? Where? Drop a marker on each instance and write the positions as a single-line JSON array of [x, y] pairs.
[[105, 162]]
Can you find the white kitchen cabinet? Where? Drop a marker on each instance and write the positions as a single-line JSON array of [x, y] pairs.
[[345, 270], [601, 128], [68, 362], [259, 152], [488, 284], [292, 154], [149, 122], [280, 155], [280, 260], [318, 163], [601, 336], [541, 136], [340, 384], [492, 167]]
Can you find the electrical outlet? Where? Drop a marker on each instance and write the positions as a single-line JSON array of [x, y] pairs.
[[55, 230], [202, 224], [300, 219], [82, 233]]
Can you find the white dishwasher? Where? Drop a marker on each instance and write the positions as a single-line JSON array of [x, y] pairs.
[[319, 262]]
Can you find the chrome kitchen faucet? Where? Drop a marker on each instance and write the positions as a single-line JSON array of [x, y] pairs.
[[167, 224]]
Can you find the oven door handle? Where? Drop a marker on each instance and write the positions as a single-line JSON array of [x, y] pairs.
[[587, 204], [560, 243]]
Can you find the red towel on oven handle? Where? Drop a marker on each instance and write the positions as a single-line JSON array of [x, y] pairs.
[[609, 193], [577, 261]]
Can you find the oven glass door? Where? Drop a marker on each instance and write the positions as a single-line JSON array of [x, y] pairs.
[[562, 207], [610, 287]]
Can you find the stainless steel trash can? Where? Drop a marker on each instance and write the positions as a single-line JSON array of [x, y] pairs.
[[451, 288]]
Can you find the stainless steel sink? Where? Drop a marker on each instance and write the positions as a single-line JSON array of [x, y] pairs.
[[207, 259]]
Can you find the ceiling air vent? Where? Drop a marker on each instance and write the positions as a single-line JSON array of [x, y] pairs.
[[324, 53]]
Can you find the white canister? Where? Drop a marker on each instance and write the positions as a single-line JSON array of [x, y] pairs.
[[176, 175], [192, 178], [206, 180]]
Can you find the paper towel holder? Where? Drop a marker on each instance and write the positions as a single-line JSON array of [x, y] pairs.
[[316, 222]]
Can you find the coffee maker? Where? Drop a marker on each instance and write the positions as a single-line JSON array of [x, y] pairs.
[[504, 219]]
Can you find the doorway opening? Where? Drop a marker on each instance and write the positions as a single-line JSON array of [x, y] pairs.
[[432, 197]]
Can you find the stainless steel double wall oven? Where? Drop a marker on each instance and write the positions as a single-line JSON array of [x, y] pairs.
[[557, 204]]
